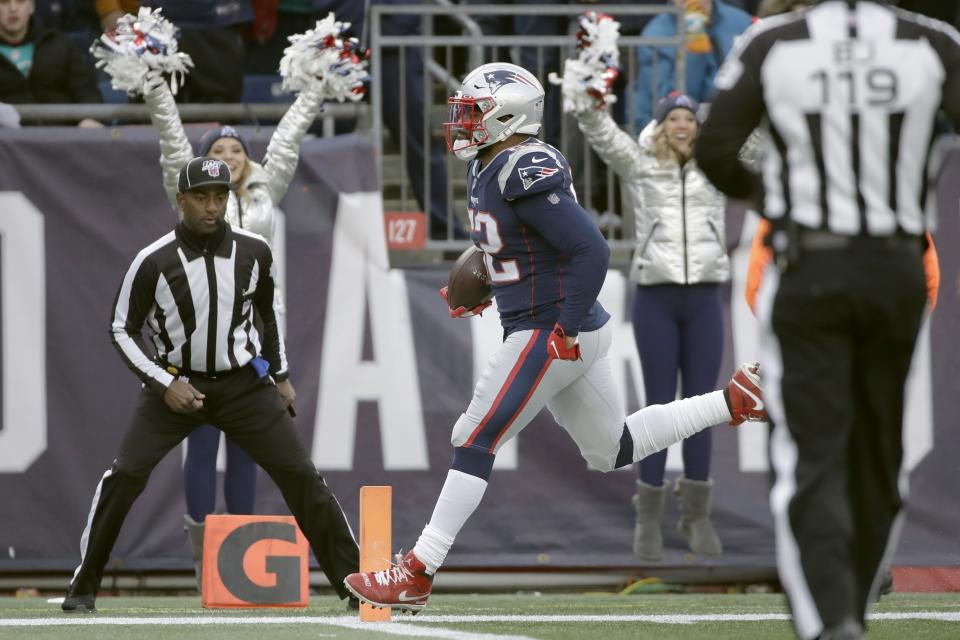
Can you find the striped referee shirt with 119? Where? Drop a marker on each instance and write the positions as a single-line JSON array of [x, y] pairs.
[[848, 92]]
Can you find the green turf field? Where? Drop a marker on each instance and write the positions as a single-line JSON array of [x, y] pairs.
[[472, 617]]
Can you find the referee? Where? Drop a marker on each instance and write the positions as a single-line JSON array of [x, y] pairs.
[[849, 92], [196, 289]]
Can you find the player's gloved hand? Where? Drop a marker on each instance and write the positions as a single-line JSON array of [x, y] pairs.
[[561, 347], [463, 312]]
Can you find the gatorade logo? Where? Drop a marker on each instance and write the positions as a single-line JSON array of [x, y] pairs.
[[254, 561]]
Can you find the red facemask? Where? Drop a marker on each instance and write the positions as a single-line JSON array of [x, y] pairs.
[[465, 127]]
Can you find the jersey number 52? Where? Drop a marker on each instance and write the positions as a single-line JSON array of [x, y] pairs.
[[499, 271]]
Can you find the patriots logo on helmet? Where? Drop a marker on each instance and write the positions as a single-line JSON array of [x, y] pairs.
[[211, 168], [531, 175], [499, 77]]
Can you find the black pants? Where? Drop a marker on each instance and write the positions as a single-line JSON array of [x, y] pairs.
[[251, 412], [844, 325]]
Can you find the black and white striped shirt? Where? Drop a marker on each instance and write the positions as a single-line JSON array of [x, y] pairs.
[[197, 296], [848, 92]]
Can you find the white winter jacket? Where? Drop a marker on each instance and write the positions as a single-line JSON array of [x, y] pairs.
[[265, 184], [679, 214]]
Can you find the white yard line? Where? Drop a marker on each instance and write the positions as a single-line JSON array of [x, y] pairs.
[[412, 626], [407, 629]]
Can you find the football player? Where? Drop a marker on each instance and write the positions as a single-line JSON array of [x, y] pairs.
[[546, 263]]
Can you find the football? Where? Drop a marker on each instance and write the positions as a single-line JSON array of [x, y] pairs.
[[467, 283]]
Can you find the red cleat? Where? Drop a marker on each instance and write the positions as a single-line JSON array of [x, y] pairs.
[[745, 395], [403, 586]]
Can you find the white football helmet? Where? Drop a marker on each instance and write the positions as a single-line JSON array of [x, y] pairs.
[[494, 102]]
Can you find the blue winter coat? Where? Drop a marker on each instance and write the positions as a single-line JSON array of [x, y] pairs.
[[726, 24]]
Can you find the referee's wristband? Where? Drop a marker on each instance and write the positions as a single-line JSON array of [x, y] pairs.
[[280, 377]]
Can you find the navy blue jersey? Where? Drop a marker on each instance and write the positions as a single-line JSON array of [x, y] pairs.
[[545, 257]]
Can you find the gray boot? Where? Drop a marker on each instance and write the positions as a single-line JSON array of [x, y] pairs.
[[195, 536], [647, 538], [695, 525]]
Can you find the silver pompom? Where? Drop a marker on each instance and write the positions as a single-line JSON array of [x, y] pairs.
[[587, 80], [137, 45], [325, 62]]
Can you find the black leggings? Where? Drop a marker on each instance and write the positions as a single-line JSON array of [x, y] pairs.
[[679, 328]]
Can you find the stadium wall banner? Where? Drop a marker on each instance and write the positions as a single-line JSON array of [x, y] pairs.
[[382, 374]]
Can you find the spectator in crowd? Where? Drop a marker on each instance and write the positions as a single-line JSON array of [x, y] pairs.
[[40, 65], [405, 85], [109, 11], [679, 262], [750, 6], [211, 33], [274, 25], [711, 26], [295, 16], [258, 188], [408, 82], [70, 16]]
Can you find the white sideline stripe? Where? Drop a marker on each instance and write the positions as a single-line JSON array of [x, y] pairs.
[[409, 627], [948, 616], [347, 622]]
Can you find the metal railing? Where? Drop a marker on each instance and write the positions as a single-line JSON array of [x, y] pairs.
[[447, 57], [109, 114]]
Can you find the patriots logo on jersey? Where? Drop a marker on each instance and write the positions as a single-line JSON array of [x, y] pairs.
[[500, 77], [532, 175]]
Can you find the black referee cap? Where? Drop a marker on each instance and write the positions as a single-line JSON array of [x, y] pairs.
[[202, 171]]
